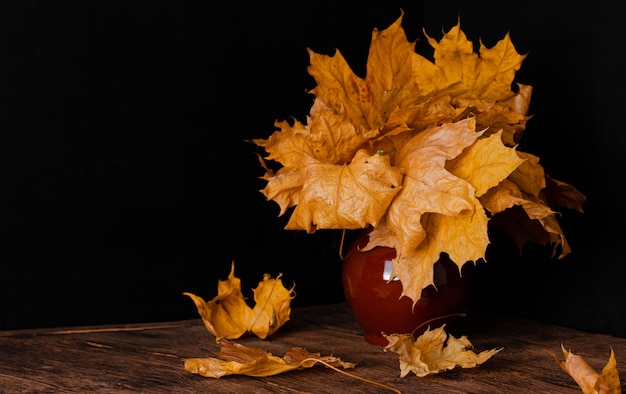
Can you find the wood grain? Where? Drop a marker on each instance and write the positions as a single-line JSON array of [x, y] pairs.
[[149, 358]]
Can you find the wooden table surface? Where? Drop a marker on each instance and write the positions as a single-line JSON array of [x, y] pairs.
[[149, 358]]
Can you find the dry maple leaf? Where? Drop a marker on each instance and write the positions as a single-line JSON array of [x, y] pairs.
[[237, 359], [434, 351], [350, 196], [590, 381], [423, 151], [228, 315]]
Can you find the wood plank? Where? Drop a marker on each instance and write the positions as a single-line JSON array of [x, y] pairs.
[[150, 357]]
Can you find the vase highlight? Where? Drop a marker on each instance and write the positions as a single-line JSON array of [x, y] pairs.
[[376, 299]]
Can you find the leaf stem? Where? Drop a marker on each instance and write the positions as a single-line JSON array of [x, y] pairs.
[[395, 390], [343, 239], [436, 318]]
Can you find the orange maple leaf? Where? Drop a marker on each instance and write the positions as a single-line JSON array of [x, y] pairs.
[[228, 316]]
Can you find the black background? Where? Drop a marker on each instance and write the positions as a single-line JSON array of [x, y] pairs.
[[127, 177]]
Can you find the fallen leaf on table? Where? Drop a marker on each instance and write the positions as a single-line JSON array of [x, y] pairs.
[[228, 316], [430, 353], [237, 359], [590, 381]]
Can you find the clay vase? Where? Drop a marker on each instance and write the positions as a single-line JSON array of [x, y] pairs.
[[375, 300]]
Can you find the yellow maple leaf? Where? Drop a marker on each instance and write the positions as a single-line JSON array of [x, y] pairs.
[[356, 100], [487, 75], [529, 176], [508, 115], [434, 351], [283, 187], [423, 160], [463, 237], [455, 221], [328, 137], [485, 164], [237, 359], [346, 196], [590, 381], [228, 316]]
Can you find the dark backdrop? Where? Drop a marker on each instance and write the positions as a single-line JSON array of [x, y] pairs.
[[127, 178]]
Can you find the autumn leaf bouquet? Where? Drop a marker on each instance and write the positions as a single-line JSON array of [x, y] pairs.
[[424, 155], [424, 152]]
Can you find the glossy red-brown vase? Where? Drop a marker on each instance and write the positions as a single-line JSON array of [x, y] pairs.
[[376, 302]]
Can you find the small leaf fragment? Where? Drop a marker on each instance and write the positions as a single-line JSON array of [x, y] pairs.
[[431, 353], [590, 381]]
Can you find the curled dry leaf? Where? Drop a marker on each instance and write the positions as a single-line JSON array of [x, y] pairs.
[[228, 316], [430, 353], [590, 381], [237, 359]]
